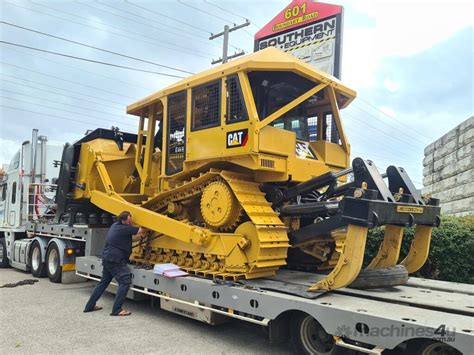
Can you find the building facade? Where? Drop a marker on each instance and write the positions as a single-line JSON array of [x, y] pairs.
[[448, 170]]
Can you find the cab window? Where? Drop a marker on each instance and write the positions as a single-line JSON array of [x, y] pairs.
[[274, 89], [3, 192], [13, 193], [330, 132], [236, 110], [15, 162], [206, 99], [176, 133]]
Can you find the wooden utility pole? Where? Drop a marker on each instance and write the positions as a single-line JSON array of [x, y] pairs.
[[225, 57]]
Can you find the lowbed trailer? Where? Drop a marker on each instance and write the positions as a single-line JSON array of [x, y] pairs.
[[423, 316]]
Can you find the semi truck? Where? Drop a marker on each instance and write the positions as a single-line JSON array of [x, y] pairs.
[[242, 174]]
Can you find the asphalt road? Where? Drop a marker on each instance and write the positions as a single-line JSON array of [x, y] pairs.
[[48, 318]]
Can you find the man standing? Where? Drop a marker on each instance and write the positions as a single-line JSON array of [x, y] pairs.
[[115, 256]]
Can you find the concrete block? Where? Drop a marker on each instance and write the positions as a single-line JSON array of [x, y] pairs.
[[445, 149], [450, 136], [455, 206], [446, 184], [429, 148], [467, 124], [466, 137], [428, 180], [464, 151], [453, 169], [453, 157], [456, 192], [428, 170], [428, 159]]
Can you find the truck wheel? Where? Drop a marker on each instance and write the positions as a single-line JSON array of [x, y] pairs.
[[3, 254], [53, 263], [38, 268], [430, 347], [309, 337]]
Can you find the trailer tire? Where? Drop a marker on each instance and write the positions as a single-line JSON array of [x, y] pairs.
[[38, 268], [3, 254], [379, 278], [53, 264], [430, 347], [309, 337]]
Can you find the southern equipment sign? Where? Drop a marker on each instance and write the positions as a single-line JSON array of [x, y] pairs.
[[311, 31]]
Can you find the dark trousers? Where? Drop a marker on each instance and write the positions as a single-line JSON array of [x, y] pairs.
[[111, 270]]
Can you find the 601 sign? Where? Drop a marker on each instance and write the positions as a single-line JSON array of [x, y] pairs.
[[295, 11]]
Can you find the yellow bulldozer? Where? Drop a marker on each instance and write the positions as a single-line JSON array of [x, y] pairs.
[[244, 169]]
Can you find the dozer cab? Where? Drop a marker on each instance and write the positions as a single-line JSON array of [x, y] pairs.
[[243, 169]]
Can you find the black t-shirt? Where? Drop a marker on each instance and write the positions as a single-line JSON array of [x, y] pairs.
[[118, 244]]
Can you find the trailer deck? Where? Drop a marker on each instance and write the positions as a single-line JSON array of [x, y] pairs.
[[382, 317]]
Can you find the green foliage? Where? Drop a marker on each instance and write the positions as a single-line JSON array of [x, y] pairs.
[[451, 253]]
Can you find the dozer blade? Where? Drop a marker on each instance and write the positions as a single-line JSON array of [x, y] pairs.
[[419, 249], [349, 263], [389, 250]]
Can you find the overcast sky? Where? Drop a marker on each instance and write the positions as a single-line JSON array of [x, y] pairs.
[[411, 63]]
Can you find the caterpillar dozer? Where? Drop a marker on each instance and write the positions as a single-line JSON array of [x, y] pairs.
[[243, 169]]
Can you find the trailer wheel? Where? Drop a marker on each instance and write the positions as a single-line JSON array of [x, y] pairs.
[[430, 347], [309, 337], [38, 268], [3, 254], [53, 263]]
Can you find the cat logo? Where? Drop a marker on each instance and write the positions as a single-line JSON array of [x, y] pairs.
[[304, 151], [237, 138]]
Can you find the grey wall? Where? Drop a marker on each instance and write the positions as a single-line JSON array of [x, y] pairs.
[[448, 170]]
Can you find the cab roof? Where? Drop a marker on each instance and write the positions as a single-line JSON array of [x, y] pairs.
[[267, 59]]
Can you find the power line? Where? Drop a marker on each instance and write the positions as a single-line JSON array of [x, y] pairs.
[[173, 19], [101, 49], [393, 118], [168, 17], [47, 115], [379, 145], [144, 24], [120, 29], [206, 12], [369, 155], [55, 93], [90, 60], [404, 132], [58, 109], [84, 70], [74, 92], [233, 13], [61, 103], [381, 131], [154, 43], [68, 81]]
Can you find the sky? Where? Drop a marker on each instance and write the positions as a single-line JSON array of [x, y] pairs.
[[411, 63]]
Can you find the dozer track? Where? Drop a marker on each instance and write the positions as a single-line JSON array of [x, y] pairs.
[[260, 254]]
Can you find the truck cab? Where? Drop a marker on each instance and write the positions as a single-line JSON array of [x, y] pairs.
[[27, 189]]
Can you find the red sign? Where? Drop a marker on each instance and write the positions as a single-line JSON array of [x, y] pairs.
[[298, 13], [309, 30]]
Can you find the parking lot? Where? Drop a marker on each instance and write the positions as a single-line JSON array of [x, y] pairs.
[[48, 318]]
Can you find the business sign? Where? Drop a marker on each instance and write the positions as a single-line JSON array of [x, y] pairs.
[[310, 30]]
